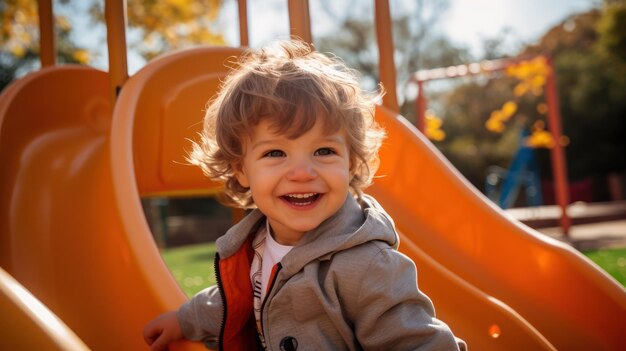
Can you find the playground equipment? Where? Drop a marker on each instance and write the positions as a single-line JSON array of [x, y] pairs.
[[73, 233], [522, 173], [27, 324], [559, 168]]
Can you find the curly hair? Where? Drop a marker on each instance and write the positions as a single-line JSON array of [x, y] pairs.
[[293, 86]]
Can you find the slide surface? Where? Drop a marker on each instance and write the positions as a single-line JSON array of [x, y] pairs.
[[72, 230], [61, 233], [27, 324], [569, 300]]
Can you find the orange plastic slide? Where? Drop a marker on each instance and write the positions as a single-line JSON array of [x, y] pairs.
[[61, 231], [72, 230], [564, 296], [27, 324]]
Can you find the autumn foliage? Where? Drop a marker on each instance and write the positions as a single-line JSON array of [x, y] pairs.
[[167, 25], [20, 32]]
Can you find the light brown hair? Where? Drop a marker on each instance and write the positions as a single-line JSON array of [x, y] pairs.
[[293, 86]]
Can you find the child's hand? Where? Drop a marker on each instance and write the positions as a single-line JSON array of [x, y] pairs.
[[162, 330]]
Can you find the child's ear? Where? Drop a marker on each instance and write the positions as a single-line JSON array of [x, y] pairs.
[[241, 176]]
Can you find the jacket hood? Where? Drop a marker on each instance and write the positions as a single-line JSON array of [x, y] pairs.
[[354, 224]]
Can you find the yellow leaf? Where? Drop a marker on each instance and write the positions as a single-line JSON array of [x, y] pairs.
[[509, 108], [494, 125], [20, 16], [510, 71], [436, 135], [541, 65], [497, 115], [538, 81], [433, 127], [63, 23], [524, 70], [82, 56], [433, 123], [540, 139], [520, 89], [18, 51]]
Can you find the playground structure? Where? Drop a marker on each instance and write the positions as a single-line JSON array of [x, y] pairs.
[[559, 163], [522, 173], [73, 233]]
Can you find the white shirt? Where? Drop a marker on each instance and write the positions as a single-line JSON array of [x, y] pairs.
[[267, 253], [272, 254]]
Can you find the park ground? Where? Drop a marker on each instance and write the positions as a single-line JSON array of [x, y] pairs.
[[599, 233]]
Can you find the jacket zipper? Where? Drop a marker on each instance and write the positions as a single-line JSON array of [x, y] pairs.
[[267, 295], [220, 288]]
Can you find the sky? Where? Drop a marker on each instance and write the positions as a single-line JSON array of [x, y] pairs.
[[466, 22]]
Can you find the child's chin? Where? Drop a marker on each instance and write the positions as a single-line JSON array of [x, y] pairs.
[[305, 227]]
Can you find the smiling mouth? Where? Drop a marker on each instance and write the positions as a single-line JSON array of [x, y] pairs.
[[301, 199]]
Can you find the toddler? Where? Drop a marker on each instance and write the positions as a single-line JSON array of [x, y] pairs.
[[314, 265]]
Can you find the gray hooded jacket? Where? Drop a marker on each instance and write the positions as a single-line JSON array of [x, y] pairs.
[[343, 287]]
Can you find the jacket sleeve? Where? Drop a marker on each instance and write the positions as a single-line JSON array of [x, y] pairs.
[[393, 313], [201, 317]]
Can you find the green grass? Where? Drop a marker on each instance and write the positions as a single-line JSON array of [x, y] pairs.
[[192, 266], [613, 261]]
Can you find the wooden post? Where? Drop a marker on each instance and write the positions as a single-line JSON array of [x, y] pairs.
[[115, 14], [385, 53], [243, 23], [299, 20], [47, 52], [559, 164]]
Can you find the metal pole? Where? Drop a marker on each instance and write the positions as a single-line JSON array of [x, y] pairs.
[[115, 14], [47, 53], [420, 104], [243, 23], [299, 20], [559, 163], [385, 52]]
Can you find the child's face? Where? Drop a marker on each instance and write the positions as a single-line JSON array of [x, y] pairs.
[[297, 183]]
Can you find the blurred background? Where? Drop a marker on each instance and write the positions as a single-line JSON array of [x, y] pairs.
[[481, 123]]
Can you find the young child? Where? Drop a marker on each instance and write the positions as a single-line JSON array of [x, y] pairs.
[[314, 266]]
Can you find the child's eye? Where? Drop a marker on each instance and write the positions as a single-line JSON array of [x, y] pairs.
[[274, 153], [325, 151]]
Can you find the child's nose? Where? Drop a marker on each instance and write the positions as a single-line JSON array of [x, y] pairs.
[[302, 170]]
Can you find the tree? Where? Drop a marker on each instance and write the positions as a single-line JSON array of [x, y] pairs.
[[417, 41], [19, 31], [469, 107], [156, 26], [591, 71], [166, 25], [591, 77], [611, 29]]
